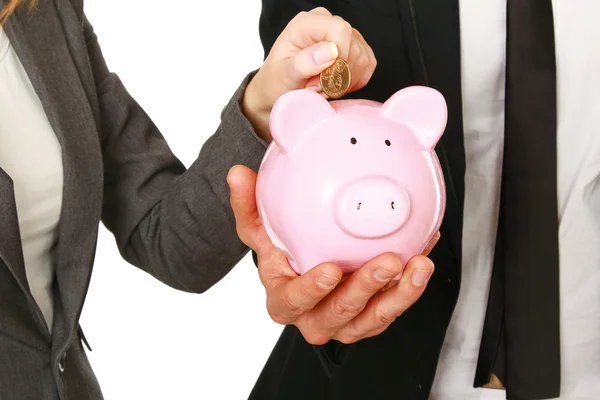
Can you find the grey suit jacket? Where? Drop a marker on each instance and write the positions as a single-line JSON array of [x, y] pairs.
[[175, 224]]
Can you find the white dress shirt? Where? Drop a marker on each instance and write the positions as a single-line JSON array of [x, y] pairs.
[[483, 39], [31, 155]]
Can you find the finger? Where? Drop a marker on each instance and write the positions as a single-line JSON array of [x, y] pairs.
[[320, 11], [308, 63], [384, 308], [432, 244], [242, 184], [354, 56], [289, 299], [425, 252], [350, 298], [359, 65], [313, 83], [307, 29], [364, 65], [355, 50]]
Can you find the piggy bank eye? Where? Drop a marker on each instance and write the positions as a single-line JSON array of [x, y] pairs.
[[388, 143], [353, 140]]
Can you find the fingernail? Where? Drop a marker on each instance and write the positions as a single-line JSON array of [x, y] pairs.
[[420, 277], [382, 275], [327, 281], [325, 53]]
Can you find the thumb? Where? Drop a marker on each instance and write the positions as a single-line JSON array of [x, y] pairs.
[[312, 60], [242, 184]]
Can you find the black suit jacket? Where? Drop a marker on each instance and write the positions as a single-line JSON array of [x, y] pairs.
[[415, 43]]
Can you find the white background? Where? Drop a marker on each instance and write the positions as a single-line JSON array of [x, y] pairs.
[[181, 61]]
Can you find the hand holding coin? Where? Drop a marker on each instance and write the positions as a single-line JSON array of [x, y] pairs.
[[316, 49]]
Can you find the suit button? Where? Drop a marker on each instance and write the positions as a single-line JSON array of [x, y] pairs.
[[61, 363]]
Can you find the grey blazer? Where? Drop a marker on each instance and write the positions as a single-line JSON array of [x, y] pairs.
[[173, 223]]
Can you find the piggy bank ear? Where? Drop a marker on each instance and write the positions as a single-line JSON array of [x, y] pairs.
[[420, 108], [294, 113]]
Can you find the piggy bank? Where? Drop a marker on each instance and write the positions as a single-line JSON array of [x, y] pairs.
[[346, 180]]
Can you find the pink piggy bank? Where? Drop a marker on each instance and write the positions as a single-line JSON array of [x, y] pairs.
[[347, 180]]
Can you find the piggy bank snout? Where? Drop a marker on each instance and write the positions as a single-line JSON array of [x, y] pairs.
[[372, 207]]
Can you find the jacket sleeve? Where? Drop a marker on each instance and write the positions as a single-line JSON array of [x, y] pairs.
[[275, 15], [173, 223]]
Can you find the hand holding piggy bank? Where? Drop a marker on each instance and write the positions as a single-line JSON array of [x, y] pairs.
[[347, 180]]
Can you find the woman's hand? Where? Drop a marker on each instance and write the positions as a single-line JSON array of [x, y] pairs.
[[320, 303], [309, 44]]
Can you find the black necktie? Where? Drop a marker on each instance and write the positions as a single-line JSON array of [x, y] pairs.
[[521, 341]]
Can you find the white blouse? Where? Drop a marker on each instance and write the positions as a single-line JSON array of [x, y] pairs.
[[31, 155]]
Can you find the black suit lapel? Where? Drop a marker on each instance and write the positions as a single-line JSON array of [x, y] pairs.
[[432, 30], [56, 77], [11, 249], [10, 238]]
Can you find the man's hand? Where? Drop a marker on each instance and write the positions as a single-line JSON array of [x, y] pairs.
[[319, 303]]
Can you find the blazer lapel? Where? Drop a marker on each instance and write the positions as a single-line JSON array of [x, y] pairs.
[[39, 39], [11, 250], [433, 29]]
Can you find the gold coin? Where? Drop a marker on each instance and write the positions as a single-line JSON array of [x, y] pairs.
[[335, 80]]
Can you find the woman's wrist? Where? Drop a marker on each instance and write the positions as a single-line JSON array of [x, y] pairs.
[[257, 108]]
